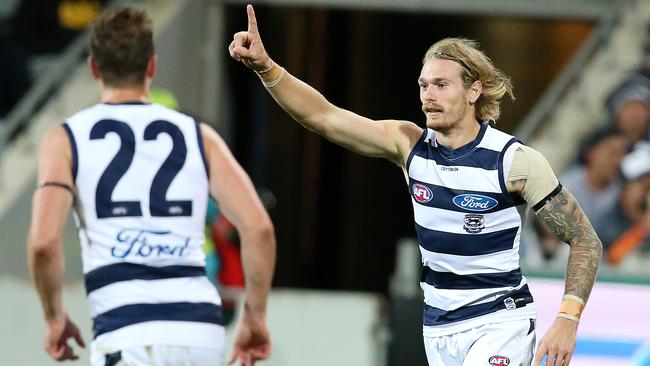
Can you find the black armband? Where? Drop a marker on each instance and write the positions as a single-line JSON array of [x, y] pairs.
[[548, 197], [59, 185]]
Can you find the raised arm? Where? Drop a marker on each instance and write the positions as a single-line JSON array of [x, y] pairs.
[[390, 139], [50, 206], [233, 190], [556, 207]]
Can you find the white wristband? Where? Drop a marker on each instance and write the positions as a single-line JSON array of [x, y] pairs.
[[260, 73], [567, 316]]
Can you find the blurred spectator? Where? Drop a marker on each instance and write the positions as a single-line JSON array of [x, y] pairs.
[[633, 246], [210, 249], [229, 276], [595, 182], [229, 272], [629, 106], [226, 241], [223, 265]]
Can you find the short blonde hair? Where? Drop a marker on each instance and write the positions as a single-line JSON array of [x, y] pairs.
[[476, 66]]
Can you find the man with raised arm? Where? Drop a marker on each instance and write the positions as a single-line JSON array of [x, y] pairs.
[[468, 183], [138, 176]]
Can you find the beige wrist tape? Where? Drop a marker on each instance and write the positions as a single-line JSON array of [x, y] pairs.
[[266, 70], [571, 307], [272, 76]]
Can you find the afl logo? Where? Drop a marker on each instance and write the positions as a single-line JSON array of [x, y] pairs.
[[499, 361], [421, 193], [475, 202]]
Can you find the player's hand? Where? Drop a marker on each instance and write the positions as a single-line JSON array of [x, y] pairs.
[[558, 343], [56, 338], [252, 342], [247, 46]]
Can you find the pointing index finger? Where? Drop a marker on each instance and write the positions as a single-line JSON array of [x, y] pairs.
[[252, 22]]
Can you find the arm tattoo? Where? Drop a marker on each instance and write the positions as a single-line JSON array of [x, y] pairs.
[[564, 217]]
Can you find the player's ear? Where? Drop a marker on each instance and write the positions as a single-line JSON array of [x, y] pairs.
[[151, 66], [93, 68], [475, 91]]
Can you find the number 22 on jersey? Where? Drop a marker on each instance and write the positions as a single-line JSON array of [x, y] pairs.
[[158, 204]]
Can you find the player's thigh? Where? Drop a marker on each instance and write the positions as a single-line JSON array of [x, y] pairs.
[[207, 356], [503, 344], [190, 356]]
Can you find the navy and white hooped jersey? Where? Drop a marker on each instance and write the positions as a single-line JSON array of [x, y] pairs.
[[142, 185], [468, 226]]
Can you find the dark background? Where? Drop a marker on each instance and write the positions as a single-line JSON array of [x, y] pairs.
[[339, 215]]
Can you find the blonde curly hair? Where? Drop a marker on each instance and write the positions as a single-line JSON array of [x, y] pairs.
[[476, 66]]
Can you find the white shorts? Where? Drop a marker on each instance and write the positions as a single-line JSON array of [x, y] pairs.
[[159, 355], [510, 343]]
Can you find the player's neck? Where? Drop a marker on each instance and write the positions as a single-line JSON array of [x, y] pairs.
[[459, 135], [117, 95]]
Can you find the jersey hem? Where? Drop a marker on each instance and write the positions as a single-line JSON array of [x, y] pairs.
[[527, 312], [169, 333]]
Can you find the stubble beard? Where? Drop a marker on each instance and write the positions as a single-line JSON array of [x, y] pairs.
[[441, 124], [446, 122]]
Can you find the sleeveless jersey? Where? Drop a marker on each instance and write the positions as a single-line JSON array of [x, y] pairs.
[[468, 227], [142, 190]]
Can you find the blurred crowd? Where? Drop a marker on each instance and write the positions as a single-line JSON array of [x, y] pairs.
[[611, 179], [32, 34]]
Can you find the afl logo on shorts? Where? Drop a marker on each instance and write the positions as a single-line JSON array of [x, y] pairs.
[[421, 193], [499, 361]]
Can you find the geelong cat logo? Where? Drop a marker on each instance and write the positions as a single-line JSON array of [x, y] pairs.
[[499, 361], [474, 223], [475, 202], [422, 193]]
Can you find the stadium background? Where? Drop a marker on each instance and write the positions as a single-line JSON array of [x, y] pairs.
[[343, 222]]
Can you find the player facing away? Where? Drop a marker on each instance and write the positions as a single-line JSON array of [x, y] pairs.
[[138, 176], [468, 183]]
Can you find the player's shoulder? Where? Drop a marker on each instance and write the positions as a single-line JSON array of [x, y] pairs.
[[496, 137], [55, 135], [55, 143], [533, 159], [527, 152], [403, 125], [405, 135], [407, 130], [209, 135]]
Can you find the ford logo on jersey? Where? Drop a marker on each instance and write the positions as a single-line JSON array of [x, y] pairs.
[[475, 202], [135, 242], [422, 193]]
